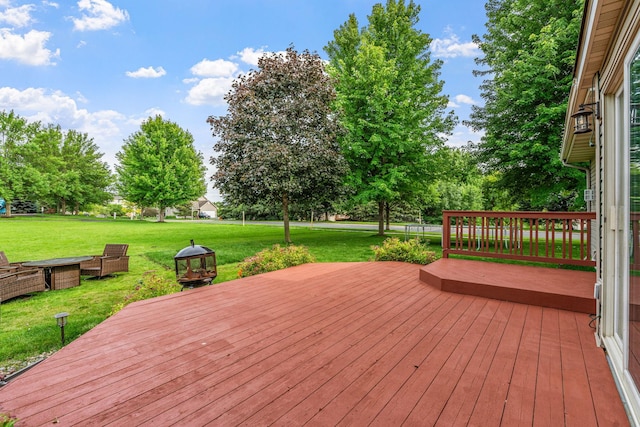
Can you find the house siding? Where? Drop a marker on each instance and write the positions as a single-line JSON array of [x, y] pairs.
[[610, 34]]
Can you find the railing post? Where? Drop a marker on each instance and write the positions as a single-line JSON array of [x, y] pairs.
[[446, 234]]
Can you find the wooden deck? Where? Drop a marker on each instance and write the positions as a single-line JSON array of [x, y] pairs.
[[325, 344], [546, 287]]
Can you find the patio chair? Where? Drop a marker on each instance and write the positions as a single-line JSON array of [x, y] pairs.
[[114, 259], [21, 282], [6, 266]]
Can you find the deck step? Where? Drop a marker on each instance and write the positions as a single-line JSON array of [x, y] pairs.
[[546, 287]]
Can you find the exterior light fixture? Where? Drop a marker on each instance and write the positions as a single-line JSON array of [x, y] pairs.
[[61, 318], [581, 117]]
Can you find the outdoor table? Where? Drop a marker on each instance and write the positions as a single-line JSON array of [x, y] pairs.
[[60, 273]]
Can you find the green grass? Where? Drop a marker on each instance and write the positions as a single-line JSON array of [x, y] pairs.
[[27, 326]]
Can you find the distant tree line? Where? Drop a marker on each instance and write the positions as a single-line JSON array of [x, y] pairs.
[[61, 170], [384, 92], [362, 134]]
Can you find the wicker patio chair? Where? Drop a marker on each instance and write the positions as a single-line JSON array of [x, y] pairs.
[[113, 259], [6, 266], [22, 282]]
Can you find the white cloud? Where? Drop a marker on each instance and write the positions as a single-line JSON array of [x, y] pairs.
[[217, 77], [28, 49], [462, 135], [106, 127], [210, 91], [216, 68], [81, 98], [249, 55], [451, 47], [17, 16], [147, 73], [465, 99], [151, 112], [56, 107], [461, 99], [100, 15]]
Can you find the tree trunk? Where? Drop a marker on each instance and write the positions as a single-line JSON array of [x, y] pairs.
[[285, 217], [7, 207], [161, 215], [63, 206], [388, 209], [381, 218]]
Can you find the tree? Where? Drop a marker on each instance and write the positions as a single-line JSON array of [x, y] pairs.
[[18, 177], [278, 141], [72, 168], [529, 51], [457, 185], [87, 176], [160, 167], [389, 97]]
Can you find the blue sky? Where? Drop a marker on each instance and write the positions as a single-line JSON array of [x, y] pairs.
[[101, 67]]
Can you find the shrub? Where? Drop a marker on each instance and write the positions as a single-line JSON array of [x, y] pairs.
[[414, 251], [7, 421], [274, 259], [149, 286], [115, 208]]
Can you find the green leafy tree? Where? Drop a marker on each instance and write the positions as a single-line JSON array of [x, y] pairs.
[[278, 142], [72, 168], [87, 176], [529, 52], [185, 210], [389, 97], [458, 183], [18, 177], [495, 196], [159, 166]]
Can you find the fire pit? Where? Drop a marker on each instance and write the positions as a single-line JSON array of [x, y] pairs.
[[195, 266]]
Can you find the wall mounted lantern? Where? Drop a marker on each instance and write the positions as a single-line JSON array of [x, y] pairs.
[[581, 117]]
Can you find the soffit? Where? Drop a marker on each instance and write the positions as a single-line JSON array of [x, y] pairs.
[[600, 24]]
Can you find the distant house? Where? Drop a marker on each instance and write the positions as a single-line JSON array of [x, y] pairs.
[[201, 208], [602, 137], [117, 200], [204, 208]]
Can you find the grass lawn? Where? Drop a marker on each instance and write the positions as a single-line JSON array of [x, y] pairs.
[[27, 326]]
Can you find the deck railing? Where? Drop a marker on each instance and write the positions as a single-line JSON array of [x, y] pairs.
[[551, 237]]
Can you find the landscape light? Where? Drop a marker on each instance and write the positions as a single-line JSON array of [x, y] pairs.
[[61, 318]]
